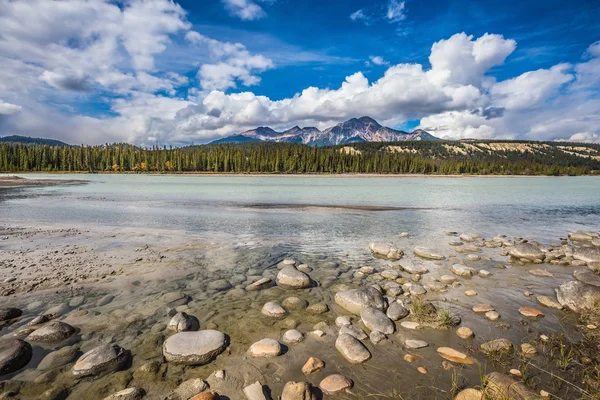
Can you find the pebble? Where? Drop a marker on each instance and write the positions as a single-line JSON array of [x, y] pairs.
[[298, 391], [422, 370], [492, 315], [355, 299], [294, 303], [549, 302], [540, 273], [410, 358], [462, 270], [182, 322], [266, 348], [312, 365], [448, 279], [132, 393], [591, 327], [353, 330], [319, 308], [273, 310], [464, 333], [484, 273], [335, 383], [341, 321], [255, 391], [470, 293], [426, 253], [397, 311], [376, 337], [352, 349], [259, 284], [473, 257], [496, 345], [515, 372], [190, 388]]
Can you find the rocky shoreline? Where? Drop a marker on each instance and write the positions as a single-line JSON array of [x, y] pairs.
[[147, 319], [12, 181]]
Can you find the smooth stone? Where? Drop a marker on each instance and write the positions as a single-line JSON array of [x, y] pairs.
[[469, 394], [174, 299], [391, 274], [132, 393], [14, 356], [484, 273], [530, 312], [482, 308], [354, 300], [101, 360], [352, 349], [273, 310], [462, 270], [376, 320], [410, 325], [464, 333], [470, 293], [496, 345], [8, 313], [58, 311], [220, 285], [492, 315], [448, 279], [298, 391], [105, 300], [436, 286], [259, 284], [385, 251], [40, 319], [294, 303], [415, 344], [182, 322], [587, 276], [190, 388], [404, 235], [414, 289], [194, 348], [290, 278], [266, 348], [318, 308], [52, 332], [581, 236], [526, 251], [549, 302], [354, 331], [376, 337], [293, 336], [540, 273], [335, 383], [528, 349], [312, 365], [342, 320], [473, 257], [289, 261], [255, 391], [422, 370], [468, 237], [58, 358], [456, 356], [414, 269], [429, 254], [397, 311]]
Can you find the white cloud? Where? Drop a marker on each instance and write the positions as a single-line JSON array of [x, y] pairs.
[[588, 137], [378, 60], [246, 10], [359, 15], [8, 109], [396, 11]]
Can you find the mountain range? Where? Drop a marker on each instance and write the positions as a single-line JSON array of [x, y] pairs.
[[30, 140], [355, 130]]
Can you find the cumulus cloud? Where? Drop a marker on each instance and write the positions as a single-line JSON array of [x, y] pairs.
[[8, 109], [378, 60], [244, 9], [588, 137]]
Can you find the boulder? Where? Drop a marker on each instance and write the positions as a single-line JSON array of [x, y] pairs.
[[335, 383], [182, 322], [386, 251], [526, 251], [428, 254], [8, 313], [101, 360], [14, 356], [397, 311], [298, 391], [266, 348], [352, 349], [589, 255], [376, 320], [578, 296], [289, 277], [354, 300], [52, 332], [194, 348]]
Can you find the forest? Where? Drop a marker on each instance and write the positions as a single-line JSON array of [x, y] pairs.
[[418, 157]]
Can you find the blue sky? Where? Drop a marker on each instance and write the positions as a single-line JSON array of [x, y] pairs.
[[192, 71]]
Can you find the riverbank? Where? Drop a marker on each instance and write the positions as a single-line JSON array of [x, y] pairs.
[[11, 181]]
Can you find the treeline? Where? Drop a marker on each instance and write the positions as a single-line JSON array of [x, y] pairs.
[[430, 157]]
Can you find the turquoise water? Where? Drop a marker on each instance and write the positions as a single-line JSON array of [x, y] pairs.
[[262, 206]]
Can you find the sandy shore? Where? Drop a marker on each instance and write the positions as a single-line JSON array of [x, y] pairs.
[[18, 181]]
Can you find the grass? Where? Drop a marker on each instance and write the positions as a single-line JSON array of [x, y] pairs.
[[425, 312]]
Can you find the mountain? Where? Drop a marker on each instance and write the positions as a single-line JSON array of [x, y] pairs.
[[355, 130], [30, 140]]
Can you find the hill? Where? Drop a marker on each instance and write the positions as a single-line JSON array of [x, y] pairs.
[[30, 140]]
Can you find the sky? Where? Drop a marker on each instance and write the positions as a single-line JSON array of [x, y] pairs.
[[175, 73]]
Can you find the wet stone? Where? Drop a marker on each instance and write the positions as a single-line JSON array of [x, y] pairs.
[[528, 350], [376, 337], [353, 330], [220, 285], [298, 391], [464, 333], [429, 254], [318, 308], [265, 348], [549, 302], [455, 356], [14, 356], [273, 310], [376, 320], [293, 336], [52, 332], [352, 349], [492, 315], [58, 311], [190, 388], [410, 325], [355, 299], [259, 284], [255, 391], [105, 300], [482, 308], [289, 277], [386, 251], [174, 299], [132, 393], [540, 273], [342, 320], [415, 344], [182, 322], [58, 358], [496, 346], [194, 348], [101, 360], [462, 270], [8, 313], [294, 303], [530, 312]]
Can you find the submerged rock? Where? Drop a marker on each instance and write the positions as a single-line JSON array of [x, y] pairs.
[[352, 349], [52, 332], [549, 302], [259, 284], [429, 254], [273, 310], [496, 346], [376, 320], [132, 393], [293, 336], [190, 388], [587, 276], [462, 270], [353, 330], [58, 358], [182, 322], [8, 313], [530, 312], [255, 391], [194, 348], [582, 236], [289, 277], [590, 255], [526, 251], [385, 251], [415, 344], [355, 299], [101, 360], [14, 356]]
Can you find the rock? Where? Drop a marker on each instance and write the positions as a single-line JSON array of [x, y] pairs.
[[422, 370], [391, 274], [52, 332], [312, 365], [354, 331], [58, 311], [464, 333], [404, 235], [549, 302], [105, 300], [335, 383], [266, 348], [397, 311], [182, 322], [207, 395], [298, 391], [528, 350], [294, 303], [410, 325], [288, 261], [194, 348], [58, 358], [8, 313], [414, 289], [410, 358], [101, 360], [367, 270], [469, 394], [587, 276], [470, 293], [318, 308], [540, 273], [455, 243], [175, 299], [132, 393], [526, 251], [355, 299], [587, 254], [582, 236], [530, 312], [220, 285], [290, 278], [190, 388], [429, 254], [386, 251], [492, 315], [578, 296], [255, 392], [415, 344], [273, 310], [14, 356], [40, 319], [414, 269], [496, 346], [462, 270], [352, 349], [473, 257], [341, 321], [468, 237], [376, 337], [482, 308], [448, 279], [455, 356], [304, 268], [436, 286], [260, 284], [293, 336], [484, 273], [376, 320], [500, 386]]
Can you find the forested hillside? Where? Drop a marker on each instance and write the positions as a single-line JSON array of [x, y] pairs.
[[417, 157]]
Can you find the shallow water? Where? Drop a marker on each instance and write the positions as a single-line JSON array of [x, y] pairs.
[[239, 228]]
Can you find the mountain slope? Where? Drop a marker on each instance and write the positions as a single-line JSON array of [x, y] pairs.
[[355, 130], [30, 140]]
